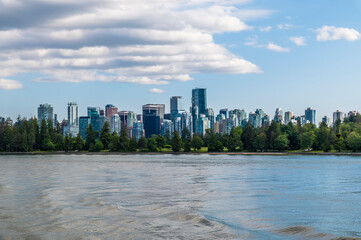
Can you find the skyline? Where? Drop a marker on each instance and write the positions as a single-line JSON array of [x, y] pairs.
[[296, 55]]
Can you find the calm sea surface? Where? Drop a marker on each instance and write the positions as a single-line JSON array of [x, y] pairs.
[[180, 197]]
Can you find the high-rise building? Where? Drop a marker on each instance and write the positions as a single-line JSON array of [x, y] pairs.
[[326, 120], [310, 115], [45, 111], [187, 122], [115, 124], [176, 106], [73, 119], [153, 115], [255, 118], [110, 110], [338, 115], [138, 130], [278, 116], [210, 115], [199, 104], [202, 125], [83, 126], [93, 110], [288, 117], [131, 118], [231, 122], [224, 111], [166, 126], [102, 120]]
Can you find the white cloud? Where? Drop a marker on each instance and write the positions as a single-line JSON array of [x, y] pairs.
[[265, 29], [331, 33], [285, 26], [145, 42], [7, 84], [299, 41], [276, 48], [155, 90]]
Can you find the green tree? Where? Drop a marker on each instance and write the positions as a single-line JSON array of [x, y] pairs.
[[261, 142], [124, 140], [68, 143], [152, 145], [114, 144], [339, 143], [142, 143], [105, 135], [167, 136], [160, 141], [176, 142], [79, 142], [197, 143], [281, 142], [248, 137], [133, 145], [272, 133], [90, 137], [307, 140]]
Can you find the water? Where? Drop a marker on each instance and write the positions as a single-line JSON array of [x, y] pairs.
[[179, 197]]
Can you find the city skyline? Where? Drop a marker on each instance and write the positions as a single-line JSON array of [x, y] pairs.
[[248, 54]]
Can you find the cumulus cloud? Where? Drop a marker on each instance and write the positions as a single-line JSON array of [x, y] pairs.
[[156, 90], [145, 42], [276, 48], [265, 29], [285, 26], [7, 84], [331, 33], [299, 41]]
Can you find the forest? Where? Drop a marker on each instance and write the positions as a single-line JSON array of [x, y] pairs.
[[26, 135]]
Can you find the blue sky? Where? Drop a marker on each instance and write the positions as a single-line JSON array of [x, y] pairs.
[[248, 54]]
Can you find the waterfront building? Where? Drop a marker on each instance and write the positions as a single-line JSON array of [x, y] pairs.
[[310, 115], [167, 116], [177, 124], [110, 110], [224, 111], [153, 116], [139, 117], [210, 115], [102, 120], [199, 104], [84, 122], [288, 116], [202, 124], [326, 120], [138, 130], [231, 122], [45, 111], [93, 110], [131, 119], [73, 119], [176, 106], [187, 122], [255, 118], [166, 126], [338, 115], [266, 120], [278, 116]]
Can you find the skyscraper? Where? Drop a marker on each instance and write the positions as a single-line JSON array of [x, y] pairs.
[[92, 110], [176, 106], [278, 116], [110, 110], [115, 124], [45, 111], [83, 126], [199, 104], [73, 119], [210, 116], [288, 117], [310, 115], [224, 111], [338, 115], [153, 115]]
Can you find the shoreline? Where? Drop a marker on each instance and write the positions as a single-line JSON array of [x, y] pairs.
[[186, 153]]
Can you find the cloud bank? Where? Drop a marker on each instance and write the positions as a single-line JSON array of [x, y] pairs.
[[7, 84], [145, 42], [331, 33]]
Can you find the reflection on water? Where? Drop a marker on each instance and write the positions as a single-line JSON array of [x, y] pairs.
[[180, 197]]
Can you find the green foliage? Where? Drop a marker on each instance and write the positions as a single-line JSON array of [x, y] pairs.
[[142, 143], [160, 141], [176, 142], [105, 135], [197, 143], [248, 137], [133, 145], [79, 143], [152, 145], [90, 137], [261, 142], [124, 140], [114, 144], [281, 143]]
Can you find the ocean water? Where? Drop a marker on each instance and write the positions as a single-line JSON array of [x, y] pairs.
[[180, 197]]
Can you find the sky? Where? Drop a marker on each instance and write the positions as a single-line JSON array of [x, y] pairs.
[[249, 54]]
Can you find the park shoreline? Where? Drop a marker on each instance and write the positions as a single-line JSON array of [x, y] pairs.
[[186, 153]]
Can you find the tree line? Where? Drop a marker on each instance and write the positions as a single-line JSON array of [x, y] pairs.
[[27, 136]]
